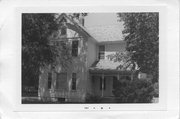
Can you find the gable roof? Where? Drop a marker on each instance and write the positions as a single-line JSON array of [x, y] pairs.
[[106, 65], [78, 25], [98, 33], [106, 33]]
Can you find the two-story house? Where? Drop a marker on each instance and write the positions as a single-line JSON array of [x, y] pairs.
[[90, 72]]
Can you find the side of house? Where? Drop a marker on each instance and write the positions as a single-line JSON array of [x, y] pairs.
[[69, 84]]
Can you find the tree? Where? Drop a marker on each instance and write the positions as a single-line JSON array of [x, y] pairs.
[[141, 32], [37, 51], [136, 91]]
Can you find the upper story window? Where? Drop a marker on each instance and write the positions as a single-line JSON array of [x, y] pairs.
[[101, 52], [49, 80], [63, 31], [73, 81], [75, 48]]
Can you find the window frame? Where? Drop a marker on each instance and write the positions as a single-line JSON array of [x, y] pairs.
[[101, 52], [49, 80], [74, 82], [75, 49], [57, 79], [65, 31]]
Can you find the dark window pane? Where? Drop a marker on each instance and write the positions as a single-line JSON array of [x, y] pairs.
[[49, 80], [100, 83], [75, 48], [74, 81], [75, 44], [63, 31], [61, 81], [104, 83], [101, 51], [115, 82]]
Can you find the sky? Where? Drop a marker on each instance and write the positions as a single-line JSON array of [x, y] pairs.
[[96, 19]]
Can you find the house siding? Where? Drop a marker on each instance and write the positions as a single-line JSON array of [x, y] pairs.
[[92, 52], [78, 66]]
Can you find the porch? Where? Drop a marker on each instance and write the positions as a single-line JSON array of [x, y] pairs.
[[104, 75], [103, 82]]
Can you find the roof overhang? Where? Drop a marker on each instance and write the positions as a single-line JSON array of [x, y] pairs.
[[110, 71], [109, 42]]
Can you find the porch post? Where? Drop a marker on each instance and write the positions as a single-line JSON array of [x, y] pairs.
[[118, 76], [102, 91]]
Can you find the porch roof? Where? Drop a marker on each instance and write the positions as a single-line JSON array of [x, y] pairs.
[[107, 66]]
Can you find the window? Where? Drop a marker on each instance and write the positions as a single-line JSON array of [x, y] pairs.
[[125, 77], [115, 82], [101, 51], [74, 81], [49, 80], [63, 31], [61, 81], [75, 48]]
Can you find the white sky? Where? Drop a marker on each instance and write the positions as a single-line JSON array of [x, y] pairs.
[[96, 19]]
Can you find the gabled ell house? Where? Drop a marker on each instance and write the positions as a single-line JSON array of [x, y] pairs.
[[91, 71]]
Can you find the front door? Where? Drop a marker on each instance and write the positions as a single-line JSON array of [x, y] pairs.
[[108, 86], [103, 87]]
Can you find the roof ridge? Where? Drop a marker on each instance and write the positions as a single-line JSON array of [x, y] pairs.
[[102, 25]]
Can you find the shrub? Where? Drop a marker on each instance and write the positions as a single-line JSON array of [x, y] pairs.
[[93, 98], [136, 91]]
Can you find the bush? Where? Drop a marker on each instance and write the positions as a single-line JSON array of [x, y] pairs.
[[137, 91], [93, 98]]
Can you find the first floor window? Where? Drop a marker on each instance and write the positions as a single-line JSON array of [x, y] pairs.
[[74, 81], [125, 77], [61, 81], [49, 80]]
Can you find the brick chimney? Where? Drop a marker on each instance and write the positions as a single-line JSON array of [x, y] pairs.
[[81, 20]]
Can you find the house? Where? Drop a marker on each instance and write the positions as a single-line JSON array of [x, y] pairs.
[[91, 71]]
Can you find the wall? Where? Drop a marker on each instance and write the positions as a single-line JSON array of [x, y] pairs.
[[92, 52], [112, 48], [91, 58], [78, 66]]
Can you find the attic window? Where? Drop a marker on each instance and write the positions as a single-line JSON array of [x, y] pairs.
[[63, 31]]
